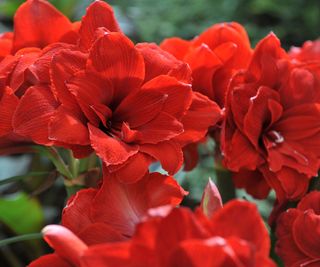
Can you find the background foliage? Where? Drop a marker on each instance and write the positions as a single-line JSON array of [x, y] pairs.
[[293, 21]]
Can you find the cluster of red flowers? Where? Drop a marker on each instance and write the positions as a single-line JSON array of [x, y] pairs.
[[86, 87]]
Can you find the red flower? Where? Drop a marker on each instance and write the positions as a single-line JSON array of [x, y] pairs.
[[298, 233], [111, 213], [214, 56], [272, 124], [37, 24], [27, 72], [181, 238], [129, 113]]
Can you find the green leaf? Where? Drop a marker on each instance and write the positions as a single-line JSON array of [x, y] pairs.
[[21, 213]]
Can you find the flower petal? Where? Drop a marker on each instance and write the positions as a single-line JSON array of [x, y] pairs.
[[169, 154], [37, 23], [115, 57], [99, 14], [109, 149], [66, 127], [33, 114]]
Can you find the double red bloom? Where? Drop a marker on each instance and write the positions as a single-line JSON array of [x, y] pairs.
[[40, 31], [214, 56], [271, 134], [298, 233], [126, 106], [180, 238], [110, 213]]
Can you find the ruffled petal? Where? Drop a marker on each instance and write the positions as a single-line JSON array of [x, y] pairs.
[[33, 114]]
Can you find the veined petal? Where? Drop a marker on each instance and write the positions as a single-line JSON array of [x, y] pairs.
[[115, 57], [99, 14], [33, 114]]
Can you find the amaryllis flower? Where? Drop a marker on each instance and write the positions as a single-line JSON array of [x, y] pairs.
[[110, 213], [26, 71], [298, 233], [213, 56], [272, 125], [109, 104], [37, 24], [180, 238]]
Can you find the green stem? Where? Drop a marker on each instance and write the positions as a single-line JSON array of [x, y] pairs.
[[53, 155], [21, 177], [74, 165], [5, 242]]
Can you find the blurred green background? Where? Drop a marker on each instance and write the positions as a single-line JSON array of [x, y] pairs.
[[293, 21]]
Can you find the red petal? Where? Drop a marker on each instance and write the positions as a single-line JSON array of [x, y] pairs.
[[162, 128], [139, 108], [168, 153], [99, 14], [310, 201], [18, 77], [66, 244], [115, 57], [8, 104], [159, 62], [91, 91], [133, 169], [75, 215], [241, 154], [176, 46], [293, 183], [63, 66], [179, 225], [5, 44], [66, 127], [286, 247], [38, 72], [109, 149], [211, 252], [203, 111], [178, 95], [204, 63], [98, 233], [263, 64], [51, 260], [37, 23], [249, 227], [258, 114], [33, 114], [306, 233], [163, 190], [107, 255]]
